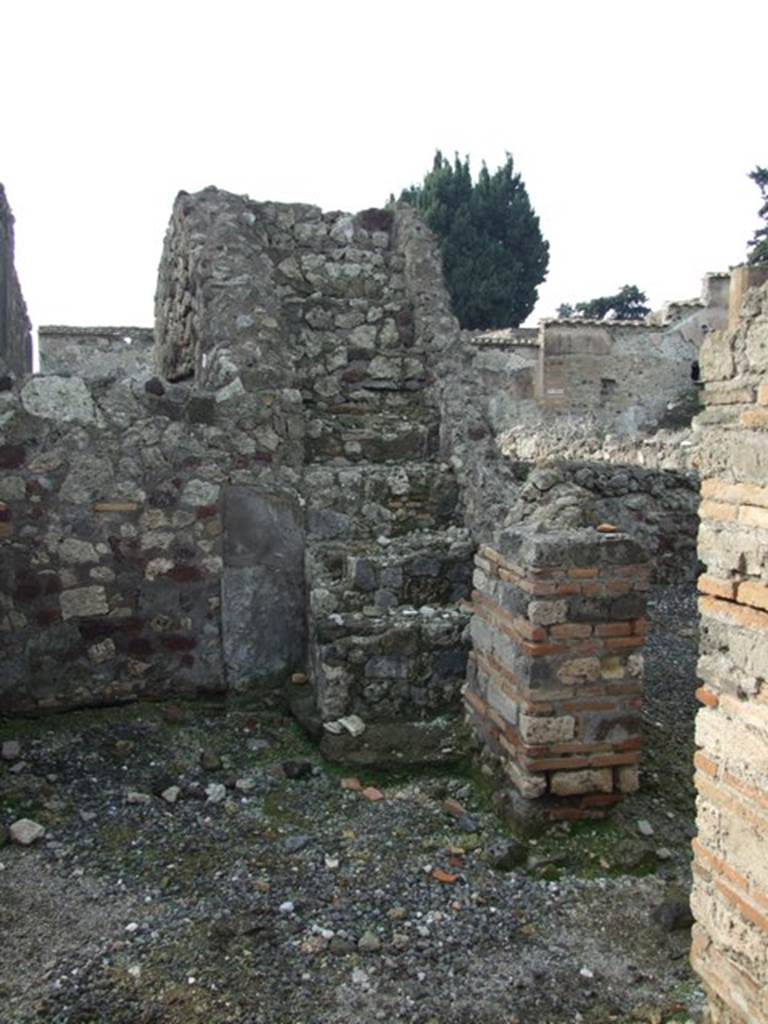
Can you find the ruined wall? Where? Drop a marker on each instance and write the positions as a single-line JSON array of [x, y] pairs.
[[281, 503], [730, 893], [96, 351], [555, 678], [629, 371], [658, 508], [113, 504], [15, 328]]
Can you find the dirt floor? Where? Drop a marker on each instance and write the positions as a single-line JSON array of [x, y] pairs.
[[267, 892]]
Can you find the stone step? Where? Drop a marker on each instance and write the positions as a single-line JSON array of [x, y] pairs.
[[367, 501], [380, 437], [402, 665], [416, 569]]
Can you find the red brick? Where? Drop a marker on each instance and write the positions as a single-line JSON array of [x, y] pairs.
[[570, 630], [717, 587], [754, 594], [541, 650], [618, 643], [739, 615], [706, 697], [613, 629]]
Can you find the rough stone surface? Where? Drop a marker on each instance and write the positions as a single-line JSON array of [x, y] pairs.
[[730, 890], [25, 832], [96, 351], [15, 327], [65, 399]]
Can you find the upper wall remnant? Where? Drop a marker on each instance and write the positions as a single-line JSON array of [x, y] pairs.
[[15, 328], [96, 351], [730, 892], [624, 369]]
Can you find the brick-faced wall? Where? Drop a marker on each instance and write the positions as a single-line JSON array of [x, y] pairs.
[[730, 892], [555, 679]]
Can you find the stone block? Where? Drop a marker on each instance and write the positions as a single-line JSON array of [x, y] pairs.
[[83, 601], [628, 778], [537, 730], [263, 626], [63, 399], [547, 613], [588, 780]]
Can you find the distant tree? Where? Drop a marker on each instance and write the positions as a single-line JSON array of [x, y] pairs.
[[629, 303], [759, 242], [493, 252]]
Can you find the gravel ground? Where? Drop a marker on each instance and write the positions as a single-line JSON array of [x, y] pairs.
[[281, 896]]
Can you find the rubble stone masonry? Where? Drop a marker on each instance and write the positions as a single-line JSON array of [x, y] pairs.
[[730, 893], [555, 677]]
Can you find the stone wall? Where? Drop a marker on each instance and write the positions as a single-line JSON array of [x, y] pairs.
[[277, 503], [96, 351], [555, 675], [629, 371], [658, 508], [113, 504], [15, 328], [730, 893]]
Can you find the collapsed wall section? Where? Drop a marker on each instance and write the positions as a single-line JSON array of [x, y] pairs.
[[730, 892], [555, 678], [15, 328]]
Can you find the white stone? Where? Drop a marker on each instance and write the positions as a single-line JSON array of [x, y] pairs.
[[200, 492], [10, 750], [587, 780], [25, 831], [84, 601], [158, 567], [171, 794], [537, 730], [65, 399], [234, 389], [354, 725], [102, 651], [73, 550]]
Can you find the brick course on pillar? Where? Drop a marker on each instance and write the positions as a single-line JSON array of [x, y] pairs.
[[730, 891], [555, 680]]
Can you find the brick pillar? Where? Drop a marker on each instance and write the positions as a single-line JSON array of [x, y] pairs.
[[556, 673], [730, 890]]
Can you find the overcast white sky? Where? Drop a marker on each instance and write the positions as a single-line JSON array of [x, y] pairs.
[[633, 124]]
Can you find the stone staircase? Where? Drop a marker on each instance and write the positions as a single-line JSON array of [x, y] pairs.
[[388, 560]]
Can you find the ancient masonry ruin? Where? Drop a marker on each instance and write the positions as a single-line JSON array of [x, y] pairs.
[[730, 894], [308, 486]]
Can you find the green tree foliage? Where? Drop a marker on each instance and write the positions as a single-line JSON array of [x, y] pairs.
[[759, 242], [629, 303], [493, 252]]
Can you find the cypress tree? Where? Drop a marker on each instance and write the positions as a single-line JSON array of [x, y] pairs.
[[493, 252]]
